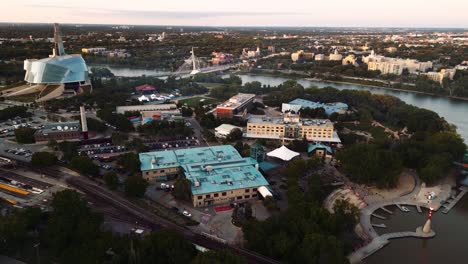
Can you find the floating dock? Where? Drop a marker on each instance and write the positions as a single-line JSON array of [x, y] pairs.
[[453, 202], [419, 209], [386, 210], [379, 216]]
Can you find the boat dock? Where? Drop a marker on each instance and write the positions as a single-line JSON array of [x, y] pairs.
[[379, 216], [381, 241], [402, 208], [453, 202], [386, 210], [419, 209]]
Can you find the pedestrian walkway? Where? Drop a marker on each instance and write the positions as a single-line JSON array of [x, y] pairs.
[[453, 202]]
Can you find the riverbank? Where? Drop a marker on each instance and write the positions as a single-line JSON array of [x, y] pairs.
[[296, 76]]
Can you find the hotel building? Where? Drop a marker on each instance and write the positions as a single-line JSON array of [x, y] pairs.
[[291, 127]]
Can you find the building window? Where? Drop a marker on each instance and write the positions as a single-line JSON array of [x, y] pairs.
[[247, 196], [216, 195], [208, 196], [239, 197], [247, 190], [223, 193], [254, 189], [147, 173], [162, 171], [200, 197], [254, 195]]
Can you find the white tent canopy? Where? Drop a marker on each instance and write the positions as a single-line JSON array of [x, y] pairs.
[[283, 153]]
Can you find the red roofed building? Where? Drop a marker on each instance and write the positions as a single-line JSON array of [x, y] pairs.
[[145, 88]]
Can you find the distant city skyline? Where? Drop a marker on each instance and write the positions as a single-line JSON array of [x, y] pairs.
[[295, 13]]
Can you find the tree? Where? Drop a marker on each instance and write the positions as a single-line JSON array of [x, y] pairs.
[[119, 138], [234, 135], [24, 135], [182, 189], [130, 162], [135, 186], [111, 180], [218, 257], [72, 229], [187, 111], [69, 149], [43, 159], [166, 247], [84, 165]]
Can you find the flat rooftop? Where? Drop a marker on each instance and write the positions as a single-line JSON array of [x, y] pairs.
[[286, 120], [210, 169], [236, 101], [330, 108], [148, 107], [59, 127]]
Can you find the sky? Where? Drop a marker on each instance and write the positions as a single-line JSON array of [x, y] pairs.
[[297, 13]]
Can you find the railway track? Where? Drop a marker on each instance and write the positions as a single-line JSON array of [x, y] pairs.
[[158, 222], [154, 221]]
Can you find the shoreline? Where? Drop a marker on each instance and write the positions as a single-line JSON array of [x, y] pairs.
[[359, 84]]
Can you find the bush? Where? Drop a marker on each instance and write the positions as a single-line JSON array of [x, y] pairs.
[[182, 189], [135, 186], [130, 162], [25, 135], [43, 159], [85, 165], [270, 203], [111, 180]]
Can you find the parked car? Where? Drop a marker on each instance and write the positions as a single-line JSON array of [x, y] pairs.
[[187, 214]]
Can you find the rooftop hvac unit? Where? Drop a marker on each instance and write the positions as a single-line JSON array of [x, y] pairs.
[[59, 127], [197, 183], [153, 160], [209, 168]]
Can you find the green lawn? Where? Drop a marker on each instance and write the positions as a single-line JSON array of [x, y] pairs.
[[211, 85], [194, 101], [378, 133]]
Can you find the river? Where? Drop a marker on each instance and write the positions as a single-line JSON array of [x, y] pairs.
[[131, 72], [453, 110]]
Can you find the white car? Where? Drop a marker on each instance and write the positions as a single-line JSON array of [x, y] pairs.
[[187, 214]]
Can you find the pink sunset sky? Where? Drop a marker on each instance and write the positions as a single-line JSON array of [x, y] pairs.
[[307, 13]]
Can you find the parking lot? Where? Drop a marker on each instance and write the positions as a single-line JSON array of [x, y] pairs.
[[172, 143], [101, 149]]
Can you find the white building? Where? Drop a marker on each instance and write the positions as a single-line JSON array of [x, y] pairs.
[[336, 56], [395, 66], [320, 57], [224, 130], [350, 60]]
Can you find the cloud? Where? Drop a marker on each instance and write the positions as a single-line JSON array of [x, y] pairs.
[[165, 14]]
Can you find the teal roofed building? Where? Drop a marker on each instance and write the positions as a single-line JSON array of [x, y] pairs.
[[218, 174], [319, 149]]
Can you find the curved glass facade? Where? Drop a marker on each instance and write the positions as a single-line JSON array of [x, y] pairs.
[[58, 69]]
